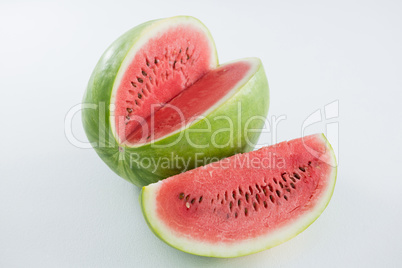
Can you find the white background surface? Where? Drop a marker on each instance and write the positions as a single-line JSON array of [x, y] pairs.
[[60, 206]]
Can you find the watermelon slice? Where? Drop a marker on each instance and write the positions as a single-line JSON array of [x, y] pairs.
[[158, 93], [245, 203]]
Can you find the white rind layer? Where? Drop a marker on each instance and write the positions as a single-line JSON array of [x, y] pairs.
[[239, 248]]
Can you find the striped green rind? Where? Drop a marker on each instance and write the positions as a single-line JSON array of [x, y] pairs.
[[148, 204], [128, 162]]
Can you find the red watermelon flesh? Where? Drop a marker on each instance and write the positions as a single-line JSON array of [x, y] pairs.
[[244, 203]]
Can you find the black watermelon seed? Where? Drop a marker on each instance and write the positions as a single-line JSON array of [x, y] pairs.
[[278, 193]]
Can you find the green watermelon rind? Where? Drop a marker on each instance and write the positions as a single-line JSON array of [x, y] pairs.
[[147, 195], [253, 96]]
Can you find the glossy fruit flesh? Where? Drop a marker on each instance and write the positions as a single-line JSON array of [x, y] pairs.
[[245, 203]]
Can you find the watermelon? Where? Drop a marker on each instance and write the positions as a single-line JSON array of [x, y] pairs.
[[158, 93], [245, 203]]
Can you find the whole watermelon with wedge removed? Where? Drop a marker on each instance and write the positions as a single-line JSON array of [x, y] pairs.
[[158, 103]]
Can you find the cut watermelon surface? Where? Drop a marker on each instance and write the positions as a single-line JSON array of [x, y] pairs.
[[245, 203]]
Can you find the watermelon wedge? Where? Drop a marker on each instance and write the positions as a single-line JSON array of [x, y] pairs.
[[245, 203]]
